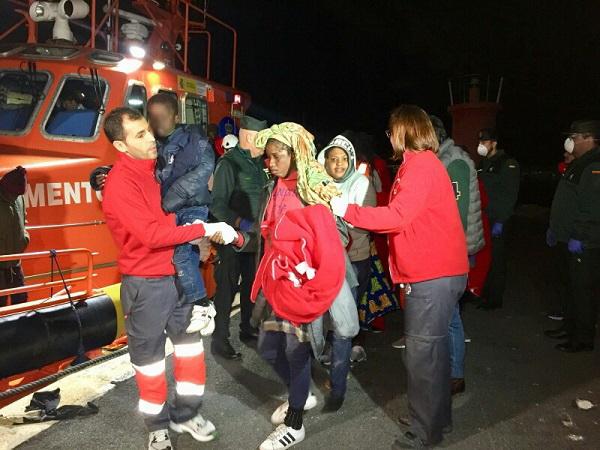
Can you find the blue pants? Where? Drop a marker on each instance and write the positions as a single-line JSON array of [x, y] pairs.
[[187, 257], [363, 274], [456, 339], [291, 360], [341, 349]]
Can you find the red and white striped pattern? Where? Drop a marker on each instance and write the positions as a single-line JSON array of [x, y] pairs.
[[152, 385], [189, 368]]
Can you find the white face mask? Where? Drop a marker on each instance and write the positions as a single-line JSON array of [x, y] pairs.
[[569, 145], [482, 150]]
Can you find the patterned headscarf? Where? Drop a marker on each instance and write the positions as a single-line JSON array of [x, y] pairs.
[[314, 186]]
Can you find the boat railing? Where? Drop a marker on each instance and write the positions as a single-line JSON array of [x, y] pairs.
[[63, 296], [195, 20]]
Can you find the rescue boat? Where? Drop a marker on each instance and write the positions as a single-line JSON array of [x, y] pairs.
[[53, 98]]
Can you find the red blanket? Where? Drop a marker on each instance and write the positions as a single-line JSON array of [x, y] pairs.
[[303, 269]]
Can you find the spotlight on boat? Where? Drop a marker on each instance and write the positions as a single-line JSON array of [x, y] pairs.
[[158, 65], [137, 51]]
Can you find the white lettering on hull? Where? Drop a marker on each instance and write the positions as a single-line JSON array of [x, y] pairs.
[[58, 194]]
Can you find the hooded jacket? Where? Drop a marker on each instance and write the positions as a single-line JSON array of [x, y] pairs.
[[186, 161], [358, 190], [463, 175]]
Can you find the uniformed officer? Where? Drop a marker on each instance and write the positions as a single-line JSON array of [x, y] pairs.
[[575, 229], [238, 182], [500, 175]]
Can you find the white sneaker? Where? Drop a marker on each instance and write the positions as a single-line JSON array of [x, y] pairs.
[[159, 440], [203, 320], [283, 437], [201, 429], [278, 415]]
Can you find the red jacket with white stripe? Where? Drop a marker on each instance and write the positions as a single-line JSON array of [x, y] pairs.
[[145, 235], [303, 268], [424, 229]]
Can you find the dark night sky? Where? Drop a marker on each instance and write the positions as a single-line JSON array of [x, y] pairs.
[[342, 64], [334, 64]]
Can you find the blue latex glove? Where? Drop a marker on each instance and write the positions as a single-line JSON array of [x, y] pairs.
[[550, 238], [246, 225], [497, 229], [575, 246], [472, 260]]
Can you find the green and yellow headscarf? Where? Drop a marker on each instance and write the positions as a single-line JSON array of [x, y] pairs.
[[314, 186]]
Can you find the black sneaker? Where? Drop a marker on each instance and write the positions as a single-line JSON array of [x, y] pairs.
[[332, 403], [457, 386], [409, 440], [559, 333], [248, 334], [573, 347], [224, 349]]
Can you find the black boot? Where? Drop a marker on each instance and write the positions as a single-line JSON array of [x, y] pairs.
[[222, 348]]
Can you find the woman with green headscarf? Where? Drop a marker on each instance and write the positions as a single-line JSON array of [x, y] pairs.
[[298, 181]]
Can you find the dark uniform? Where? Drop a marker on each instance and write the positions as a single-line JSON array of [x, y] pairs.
[[238, 183], [500, 175], [575, 215]]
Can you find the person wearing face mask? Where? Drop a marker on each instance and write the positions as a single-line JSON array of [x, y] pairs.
[[575, 231], [14, 238], [463, 176], [500, 175]]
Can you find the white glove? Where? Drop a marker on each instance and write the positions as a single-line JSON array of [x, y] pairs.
[[339, 205], [203, 320], [228, 233]]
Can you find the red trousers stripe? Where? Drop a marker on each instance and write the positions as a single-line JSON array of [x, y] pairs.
[[152, 389], [191, 369]]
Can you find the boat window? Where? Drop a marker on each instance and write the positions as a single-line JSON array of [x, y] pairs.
[[21, 94], [50, 52], [136, 98], [105, 58], [76, 109], [10, 49], [196, 111]]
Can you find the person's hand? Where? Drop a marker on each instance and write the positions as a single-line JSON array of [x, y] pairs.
[[228, 234], [472, 261], [204, 249], [575, 247], [497, 229], [551, 240], [339, 205], [101, 180], [217, 238]]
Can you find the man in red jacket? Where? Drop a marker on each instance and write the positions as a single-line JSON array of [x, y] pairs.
[[152, 301]]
